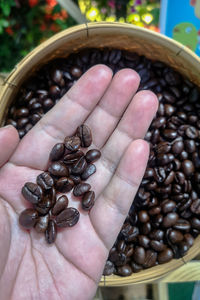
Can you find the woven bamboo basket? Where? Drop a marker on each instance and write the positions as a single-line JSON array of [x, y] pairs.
[[115, 35]]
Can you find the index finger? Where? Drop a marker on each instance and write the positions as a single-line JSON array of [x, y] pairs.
[[63, 119]]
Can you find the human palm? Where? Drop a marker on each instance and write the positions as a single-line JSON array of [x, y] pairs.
[[71, 268]]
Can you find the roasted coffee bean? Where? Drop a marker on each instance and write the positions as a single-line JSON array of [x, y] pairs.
[[21, 113], [188, 238], [85, 135], [89, 170], [143, 241], [88, 200], [180, 177], [157, 245], [109, 268], [60, 205], [57, 151], [183, 248], [182, 224], [71, 158], [170, 178], [79, 166], [191, 132], [154, 211], [190, 146], [45, 181], [165, 256], [135, 267], [143, 216], [64, 184], [170, 219], [42, 224], [51, 232], [150, 259], [170, 134], [139, 255], [28, 218], [145, 228], [124, 270], [196, 159], [81, 189], [168, 206], [32, 192], [92, 155], [76, 179], [121, 246], [177, 147], [58, 169], [72, 143], [75, 71], [44, 206], [156, 234], [188, 167], [175, 236], [149, 173], [68, 217], [195, 207], [195, 223]]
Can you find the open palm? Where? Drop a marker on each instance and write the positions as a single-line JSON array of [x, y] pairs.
[[71, 268]]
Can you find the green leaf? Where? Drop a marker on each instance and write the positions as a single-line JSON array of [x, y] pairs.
[[56, 9], [4, 23], [6, 8]]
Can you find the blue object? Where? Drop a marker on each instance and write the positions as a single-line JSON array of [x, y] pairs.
[[180, 20]]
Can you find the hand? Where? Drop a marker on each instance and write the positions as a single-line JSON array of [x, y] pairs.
[[72, 267]]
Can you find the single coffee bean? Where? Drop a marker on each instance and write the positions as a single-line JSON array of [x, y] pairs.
[[170, 178], [182, 224], [145, 228], [81, 189], [32, 192], [170, 219], [121, 246], [84, 133], [169, 134], [42, 224], [188, 238], [190, 146], [154, 211], [64, 184], [188, 167], [79, 166], [76, 179], [191, 132], [109, 268], [139, 255], [157, 245], [68, 217], [88, 200], [150, 259], [44, 206], [45, 181], [165, 256], [89, 170], [71, 158], [195, 207], [175, 236], [143, 216], [57, 151], [183, 248], [60, 205], [180, 177], [58, 169], [72, 143], [143, 241], [177, 147], [51, 232], [76, 72], [92, 155], [156, 234], [124, 270], [135, 267], [168, 206], [195, 223], [28, 218]]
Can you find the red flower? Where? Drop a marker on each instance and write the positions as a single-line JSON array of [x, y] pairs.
[[32, 2], [9, 30], [51, 3]]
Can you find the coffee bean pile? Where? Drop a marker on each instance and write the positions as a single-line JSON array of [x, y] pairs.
[[164, 218], [68, 169]]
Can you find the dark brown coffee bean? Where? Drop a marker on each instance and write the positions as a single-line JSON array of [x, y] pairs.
[[135, 267], [76, 179], [195, 207], [170, 178], [76, 72], [64, 184], [44, 206], [129, 250], [188, 238], [170, 219], [58, 169], [196, 159], [109, 268], [139, 255], [89, 170], [188, 167], [180, 177], [191, 132], [57, 151], [45, 181], [156, 234], [168, 206], [195, 223], [85, 135], [177, 147], [170, 134], [182, 224], [71, 158], [88, 200], [150, 259], [32, 192], [51, 232], [165, 256], [56, 76], [60, 205], [79, 166], [42, 224], [28, 218], [121, 246], [54, 91], [72, 143], [143, 241], [190, 146], [177, 164], [183, 248], [92, 155], [157, 245], [175, 236], [143, 216], [124, 270], [81, 189], [154, 211], [48, 103], [68, 217], [145, 228], [149, 173], [159, 122]]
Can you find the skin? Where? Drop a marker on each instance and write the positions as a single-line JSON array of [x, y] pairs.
[[72, 267]]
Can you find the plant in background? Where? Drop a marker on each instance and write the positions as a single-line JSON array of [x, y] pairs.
[[26, 23]]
